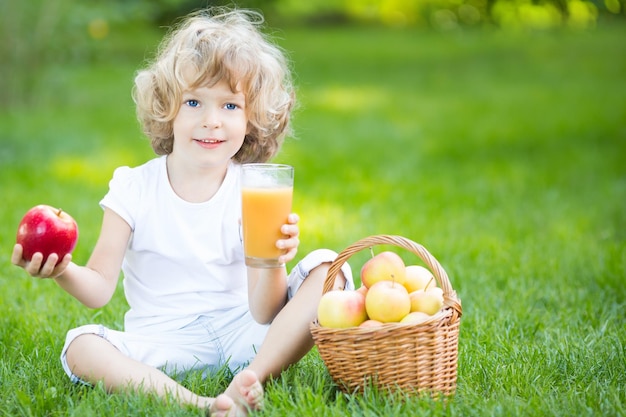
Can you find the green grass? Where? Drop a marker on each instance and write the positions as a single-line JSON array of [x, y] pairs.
[[503, 154]]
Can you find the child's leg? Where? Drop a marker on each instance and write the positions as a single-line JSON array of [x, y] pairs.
[[289, 337], [94, 359]]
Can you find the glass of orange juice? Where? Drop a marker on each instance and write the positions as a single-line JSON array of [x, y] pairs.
[[266, 197]]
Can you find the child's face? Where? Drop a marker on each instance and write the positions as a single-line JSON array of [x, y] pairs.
[[211, 124]]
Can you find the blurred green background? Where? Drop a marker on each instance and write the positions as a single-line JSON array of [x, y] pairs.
[[37, 37]]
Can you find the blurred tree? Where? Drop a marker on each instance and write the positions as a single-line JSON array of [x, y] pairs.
[[38, 34], [28, 40], [165, 12]]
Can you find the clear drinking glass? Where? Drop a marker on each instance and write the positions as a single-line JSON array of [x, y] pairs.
[[266, 197]]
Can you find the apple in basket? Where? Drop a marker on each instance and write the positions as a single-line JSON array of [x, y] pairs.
[[363, 290], [386, 266], [372, 323], [418, 278], [341, 309], [387, 302], [415, 317], [427, 301]]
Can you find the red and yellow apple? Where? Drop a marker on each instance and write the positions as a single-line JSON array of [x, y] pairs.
[[371, 323], [47, 230], [363, 290], [418, 277], [386, 266], [340, 309], [387, 301], [427, 301]]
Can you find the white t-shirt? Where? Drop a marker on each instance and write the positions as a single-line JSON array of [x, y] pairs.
[[183, 259]]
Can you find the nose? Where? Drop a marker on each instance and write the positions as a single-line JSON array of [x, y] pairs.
[[211, 119]]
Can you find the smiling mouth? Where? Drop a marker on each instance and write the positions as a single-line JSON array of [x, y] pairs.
[[210, 141]]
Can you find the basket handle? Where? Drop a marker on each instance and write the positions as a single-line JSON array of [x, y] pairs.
[[450, 298]]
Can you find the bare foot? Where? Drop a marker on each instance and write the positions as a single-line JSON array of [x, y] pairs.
[[222, 406], [246, 391]]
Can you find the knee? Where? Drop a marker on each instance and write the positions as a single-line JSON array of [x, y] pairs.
[[80, 347], [319, 274], [90, 359], [322, 260]]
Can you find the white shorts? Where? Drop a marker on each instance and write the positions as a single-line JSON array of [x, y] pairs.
[[229, 338]]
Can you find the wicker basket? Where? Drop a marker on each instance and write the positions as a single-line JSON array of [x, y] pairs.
[[412, 358]]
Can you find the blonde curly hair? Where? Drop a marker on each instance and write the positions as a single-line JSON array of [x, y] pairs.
[[207, 47]]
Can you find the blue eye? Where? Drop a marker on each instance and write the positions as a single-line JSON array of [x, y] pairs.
[[230, 106], [192, 103]]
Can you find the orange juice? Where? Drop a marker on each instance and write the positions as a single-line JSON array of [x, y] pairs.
[[264, 211]]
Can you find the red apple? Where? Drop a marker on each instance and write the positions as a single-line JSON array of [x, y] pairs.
[[387, 301], [386, 266], [340, 309], [47, 230]]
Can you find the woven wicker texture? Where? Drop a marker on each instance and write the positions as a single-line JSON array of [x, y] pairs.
[[413, 358]]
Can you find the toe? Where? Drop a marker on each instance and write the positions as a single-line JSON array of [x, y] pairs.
[[221, 407]]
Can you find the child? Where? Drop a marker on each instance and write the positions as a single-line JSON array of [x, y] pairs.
[[218, 94]]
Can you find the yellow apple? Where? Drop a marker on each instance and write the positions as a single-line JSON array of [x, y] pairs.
[[415, 317], [386, 266], [427, 301], [418, 277], [341, 309], [371, 323], [387, 301]]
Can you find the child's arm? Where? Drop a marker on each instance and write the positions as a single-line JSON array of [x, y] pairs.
[[93, 284], [267, 287]]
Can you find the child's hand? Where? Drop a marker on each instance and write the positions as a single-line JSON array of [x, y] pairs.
[[290, 244], [35, 267]]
